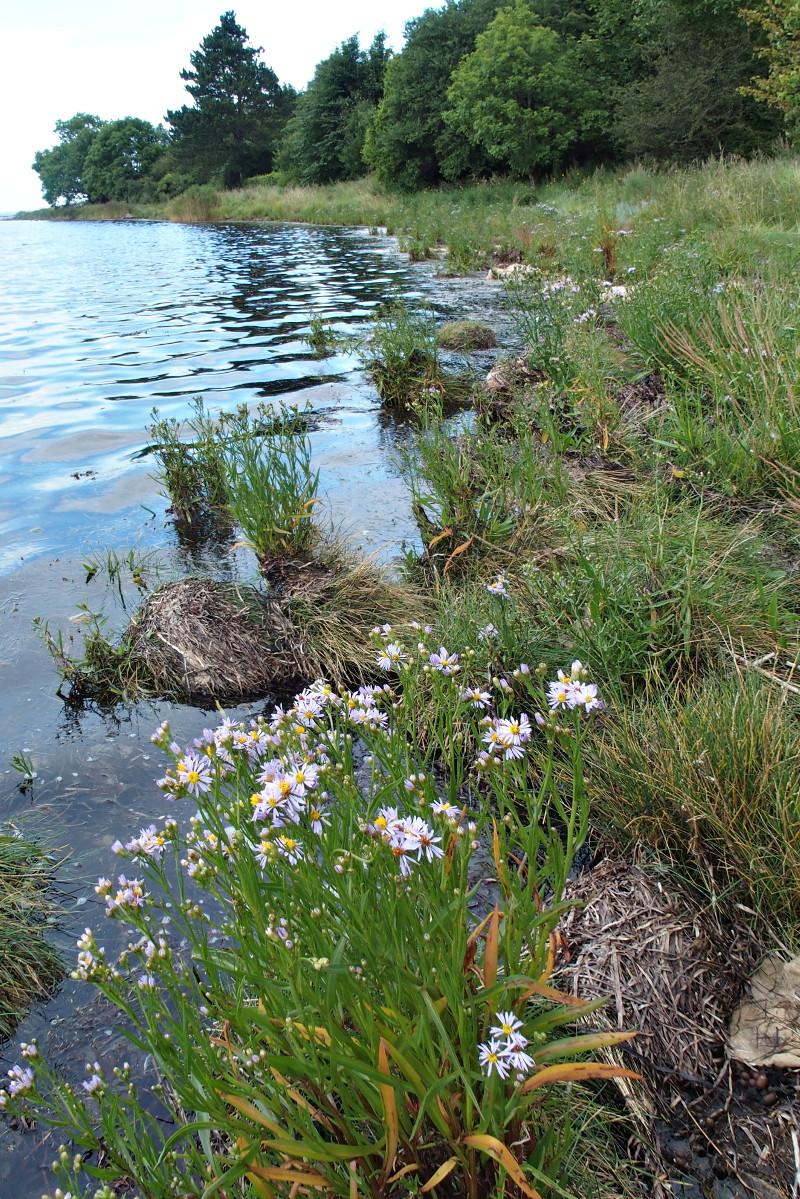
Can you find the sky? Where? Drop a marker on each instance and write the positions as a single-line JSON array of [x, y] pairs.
[[59, 57]]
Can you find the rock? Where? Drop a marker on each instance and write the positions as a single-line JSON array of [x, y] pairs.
[[513, 268], [765, 1027]]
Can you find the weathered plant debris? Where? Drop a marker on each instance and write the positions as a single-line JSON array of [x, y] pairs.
[[706, 1126]]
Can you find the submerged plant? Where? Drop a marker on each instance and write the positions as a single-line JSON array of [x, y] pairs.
[[359, 1016]]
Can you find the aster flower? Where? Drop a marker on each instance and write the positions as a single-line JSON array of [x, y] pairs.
[[508, 1025], [318, 819], [498, 587], [391, 657], [289, 848], [492, 1058], [584, 696], [193, 772], [558, 694], [445, 663]]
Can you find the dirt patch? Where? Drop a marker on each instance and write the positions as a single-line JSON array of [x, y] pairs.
[[709, 1128], [640, 394]]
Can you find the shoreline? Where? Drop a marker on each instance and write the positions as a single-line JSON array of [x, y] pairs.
[[624, 493]]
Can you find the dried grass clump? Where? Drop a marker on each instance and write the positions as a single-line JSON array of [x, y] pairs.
[[334, 620], [670, 970], [674, 973], [201, 637]]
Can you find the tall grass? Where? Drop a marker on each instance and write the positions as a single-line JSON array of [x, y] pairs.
[[710, 778], [29, 965]]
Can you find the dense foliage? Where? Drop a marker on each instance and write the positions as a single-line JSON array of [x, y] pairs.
[[231, 130], [324, 140], [480, 88]]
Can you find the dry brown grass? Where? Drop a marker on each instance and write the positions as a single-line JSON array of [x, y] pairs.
[[201, 637]]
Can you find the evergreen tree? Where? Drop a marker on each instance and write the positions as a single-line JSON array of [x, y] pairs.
[[239, 109], [675, 70], [60, 169]]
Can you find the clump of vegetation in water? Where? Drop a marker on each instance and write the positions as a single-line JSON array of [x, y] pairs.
[[321, 337], [206, 461], [29, 965], [466, 335], [351, 970], [401, 356]]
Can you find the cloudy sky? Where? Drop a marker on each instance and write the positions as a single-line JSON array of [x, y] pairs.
[[59, 57]]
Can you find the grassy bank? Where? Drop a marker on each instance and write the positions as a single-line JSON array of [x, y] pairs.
[[623, 494], [502, 221]]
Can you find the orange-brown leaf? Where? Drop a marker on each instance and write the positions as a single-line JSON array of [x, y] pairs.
[[575, 1072], [498, 1150], [440, 1175]]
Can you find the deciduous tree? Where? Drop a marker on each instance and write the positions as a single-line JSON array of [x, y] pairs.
[[408, 140], [520, 96], [60, 169], [120, 157], [780, 22]]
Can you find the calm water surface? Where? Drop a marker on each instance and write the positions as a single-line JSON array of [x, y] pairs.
[[99, 323]]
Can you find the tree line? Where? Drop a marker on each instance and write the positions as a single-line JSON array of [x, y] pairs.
[[480, 88]]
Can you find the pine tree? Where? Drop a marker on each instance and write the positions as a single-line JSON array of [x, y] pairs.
[[239, 109]]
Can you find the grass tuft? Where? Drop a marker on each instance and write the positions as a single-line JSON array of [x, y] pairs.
[[29, 966]]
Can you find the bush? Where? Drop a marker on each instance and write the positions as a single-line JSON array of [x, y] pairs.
[[198, 203]]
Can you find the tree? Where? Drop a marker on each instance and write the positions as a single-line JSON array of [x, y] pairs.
[[408, 140], [324, 140], [60, 169], [780, 21], [119, 159], [686, 99], [239, 109], [520, 97]]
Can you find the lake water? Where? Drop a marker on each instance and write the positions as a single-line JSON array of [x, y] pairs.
[[99, 323]]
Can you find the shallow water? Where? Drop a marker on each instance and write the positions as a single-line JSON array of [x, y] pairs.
[[99, 322]]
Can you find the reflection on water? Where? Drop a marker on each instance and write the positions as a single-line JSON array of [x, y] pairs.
[[101, 322]]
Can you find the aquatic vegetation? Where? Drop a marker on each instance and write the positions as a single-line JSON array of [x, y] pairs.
[[359, 1009], [466, 335], [272, 491], [321, 337], [401, 356], [30, 966]]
